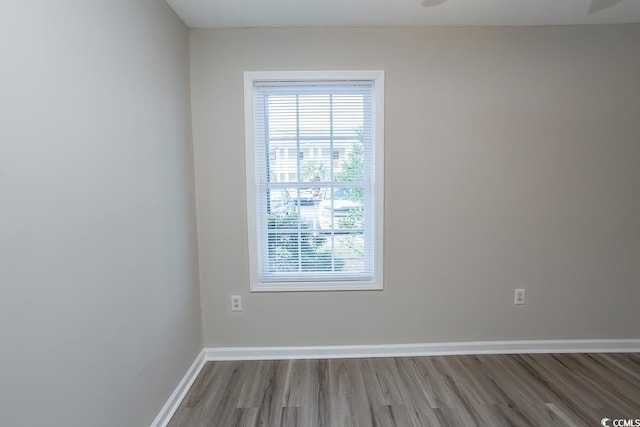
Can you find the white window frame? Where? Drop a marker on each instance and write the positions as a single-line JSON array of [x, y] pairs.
[[376, 283]]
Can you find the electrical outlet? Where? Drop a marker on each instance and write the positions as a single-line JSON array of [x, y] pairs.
[[236, 303], [518, 297]]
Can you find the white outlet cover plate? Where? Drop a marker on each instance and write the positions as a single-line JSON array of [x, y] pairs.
[[236, 303]]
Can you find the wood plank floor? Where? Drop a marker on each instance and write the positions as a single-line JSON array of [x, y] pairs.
[[489, 390]]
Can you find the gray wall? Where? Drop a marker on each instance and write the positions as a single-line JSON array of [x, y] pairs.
[[99, 300], [512, 160]]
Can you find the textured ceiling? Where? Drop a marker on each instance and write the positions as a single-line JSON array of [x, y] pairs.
[[316, 13]]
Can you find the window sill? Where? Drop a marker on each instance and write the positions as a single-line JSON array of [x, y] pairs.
[[316, 286]]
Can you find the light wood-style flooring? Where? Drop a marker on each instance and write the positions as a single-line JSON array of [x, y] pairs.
[[488, 390]]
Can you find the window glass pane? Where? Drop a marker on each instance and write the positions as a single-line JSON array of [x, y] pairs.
[[314, 116], [342, 209], [280, 203], [350, 166], [317, 253], [350, 250], [348, 115], [348, 124], [281, 121], [283, 252], [316, 165], [284, 166]]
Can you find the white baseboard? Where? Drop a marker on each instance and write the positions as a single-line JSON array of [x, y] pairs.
[[386, 350], [427, 349], [180, 392]]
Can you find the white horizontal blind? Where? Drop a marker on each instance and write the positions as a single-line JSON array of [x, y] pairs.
[[314, 160]]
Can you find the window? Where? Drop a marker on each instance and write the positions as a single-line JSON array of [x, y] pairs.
[[321, 228]]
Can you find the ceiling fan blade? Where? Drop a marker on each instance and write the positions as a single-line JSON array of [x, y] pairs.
[[432, 3], [598, 5]]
